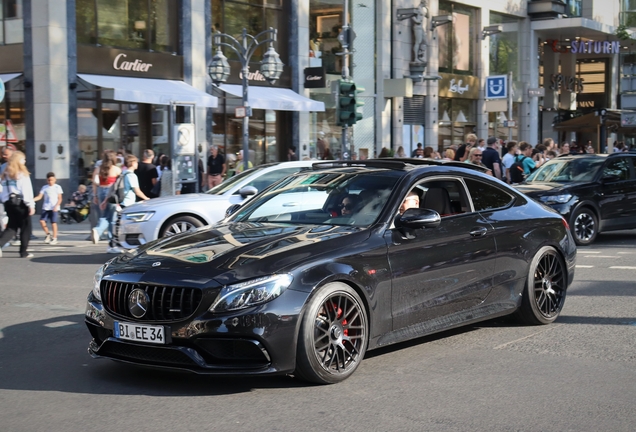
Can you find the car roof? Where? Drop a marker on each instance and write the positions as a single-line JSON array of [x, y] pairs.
[[405, 164]]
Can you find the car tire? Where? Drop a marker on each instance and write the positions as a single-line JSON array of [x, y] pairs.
[[333, 335], [544, 293], [584, 226], [180, 224]]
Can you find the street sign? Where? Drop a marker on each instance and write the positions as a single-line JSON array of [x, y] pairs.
[[239, 112], [628, 119], [536, 92], [510, 123], [1, 90], [497, 87], [7, 133]]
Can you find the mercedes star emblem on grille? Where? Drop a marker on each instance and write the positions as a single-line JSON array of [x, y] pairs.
[[138, 302]]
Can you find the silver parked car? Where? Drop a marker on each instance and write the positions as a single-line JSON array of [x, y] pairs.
[[149, 220]]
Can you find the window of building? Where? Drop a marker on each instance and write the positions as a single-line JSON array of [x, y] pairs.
[[504, 47], [457, 118], [12, 115], [456, 46], [137, 24], [11, 28], [628, 13]]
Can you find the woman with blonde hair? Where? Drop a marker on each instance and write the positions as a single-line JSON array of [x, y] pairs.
[[449, 154], [104, 175], [17, 196]]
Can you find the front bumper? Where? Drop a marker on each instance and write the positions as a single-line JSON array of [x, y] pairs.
[[131, 235], [254, 341]]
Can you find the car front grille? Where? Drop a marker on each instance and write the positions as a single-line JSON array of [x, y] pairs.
[[166, 303]]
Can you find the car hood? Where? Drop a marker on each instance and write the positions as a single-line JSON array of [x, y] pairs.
[[235, 251], [172, 200], [545, 188]]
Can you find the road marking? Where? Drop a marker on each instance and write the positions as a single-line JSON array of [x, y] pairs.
[[527, 337], [600, 256], [583, 266], [589, 252], [623, 267], [626, 253]]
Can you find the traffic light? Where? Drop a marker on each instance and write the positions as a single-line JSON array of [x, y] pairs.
[[346, 105], [358, 102]]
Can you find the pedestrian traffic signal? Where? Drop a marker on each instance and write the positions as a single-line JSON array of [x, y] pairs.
[[346, 104]]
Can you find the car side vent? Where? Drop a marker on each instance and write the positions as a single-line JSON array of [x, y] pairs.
[[164, 303]]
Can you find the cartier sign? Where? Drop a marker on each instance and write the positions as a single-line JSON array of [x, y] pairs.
[[315, 77], [139, 64]]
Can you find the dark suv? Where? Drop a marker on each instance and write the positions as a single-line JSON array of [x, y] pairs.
[[595, 193]]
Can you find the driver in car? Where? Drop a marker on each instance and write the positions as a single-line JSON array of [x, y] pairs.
[[349, 205], [412, 200]]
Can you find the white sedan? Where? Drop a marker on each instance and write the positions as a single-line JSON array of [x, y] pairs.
[[149, 220]]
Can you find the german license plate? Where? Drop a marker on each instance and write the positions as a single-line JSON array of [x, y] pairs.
[[140, 332]]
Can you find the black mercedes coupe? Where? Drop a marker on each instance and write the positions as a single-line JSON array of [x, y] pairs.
[[331, 262]]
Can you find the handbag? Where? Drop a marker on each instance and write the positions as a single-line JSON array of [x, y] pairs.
[[16, 199]]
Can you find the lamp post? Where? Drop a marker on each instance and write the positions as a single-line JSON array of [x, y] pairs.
[[271, 68]]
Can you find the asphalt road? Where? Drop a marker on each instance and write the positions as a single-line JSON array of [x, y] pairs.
[[578, 374]]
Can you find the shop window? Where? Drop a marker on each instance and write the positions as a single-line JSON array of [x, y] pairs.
[[146, 24], [457, 118]]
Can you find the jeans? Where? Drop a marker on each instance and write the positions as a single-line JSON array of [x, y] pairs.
[[106, 216]]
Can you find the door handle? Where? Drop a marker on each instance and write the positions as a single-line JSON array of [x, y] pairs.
[[478, 232]]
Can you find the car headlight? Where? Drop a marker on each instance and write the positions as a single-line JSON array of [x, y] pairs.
[[251, 293], [139, 216], [556, 199], [97, 279]]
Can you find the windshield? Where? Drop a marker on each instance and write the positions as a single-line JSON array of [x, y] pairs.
[[565, 171], [234, 180], [323, 198]]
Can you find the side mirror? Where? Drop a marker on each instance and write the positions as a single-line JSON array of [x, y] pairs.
[[232, 209], [247, 191], [418, 218], [610, 179]]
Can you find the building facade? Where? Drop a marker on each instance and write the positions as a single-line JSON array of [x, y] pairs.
[[83, 76]]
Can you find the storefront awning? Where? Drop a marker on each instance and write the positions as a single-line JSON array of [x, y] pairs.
[[8, 77], [274, 98], [150, 91]]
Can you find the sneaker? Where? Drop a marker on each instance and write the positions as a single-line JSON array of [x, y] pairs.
[[0, 252], [114, 250], [29, 255], [47, 239], [15, 242], [94, 236], [54, 241]]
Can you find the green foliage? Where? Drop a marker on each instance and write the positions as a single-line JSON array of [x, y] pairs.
[[622, 33]]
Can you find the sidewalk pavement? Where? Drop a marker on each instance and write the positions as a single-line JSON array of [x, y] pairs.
[[74, 232]]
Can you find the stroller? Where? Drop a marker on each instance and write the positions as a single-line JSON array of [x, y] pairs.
[[77, 210]]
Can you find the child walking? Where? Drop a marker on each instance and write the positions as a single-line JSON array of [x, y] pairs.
[[52, 194]]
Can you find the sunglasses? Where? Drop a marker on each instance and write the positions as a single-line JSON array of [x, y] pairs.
[[347, 207], [476, 155]]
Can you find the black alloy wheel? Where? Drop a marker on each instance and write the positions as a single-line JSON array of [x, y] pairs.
[[334, 335], [180, 224], [544, 295], [584, 226]]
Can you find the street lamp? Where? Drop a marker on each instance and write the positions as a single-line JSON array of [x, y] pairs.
[[271, 68]]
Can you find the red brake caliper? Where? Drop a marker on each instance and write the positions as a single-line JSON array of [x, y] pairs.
[[339, 315]]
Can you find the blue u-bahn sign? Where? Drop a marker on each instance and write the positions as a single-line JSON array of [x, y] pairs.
[[497, 87]]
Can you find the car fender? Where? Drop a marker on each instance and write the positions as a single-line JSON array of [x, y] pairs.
[[212, 215], [586, 203]]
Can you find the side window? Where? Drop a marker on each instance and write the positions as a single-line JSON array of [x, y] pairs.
[[617, 167], [264, 181], [446, 197], [486, 196]]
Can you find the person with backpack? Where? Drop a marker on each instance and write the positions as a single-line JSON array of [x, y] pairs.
[[524, 163], [509, 159], [104, 176], [124, 192]]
